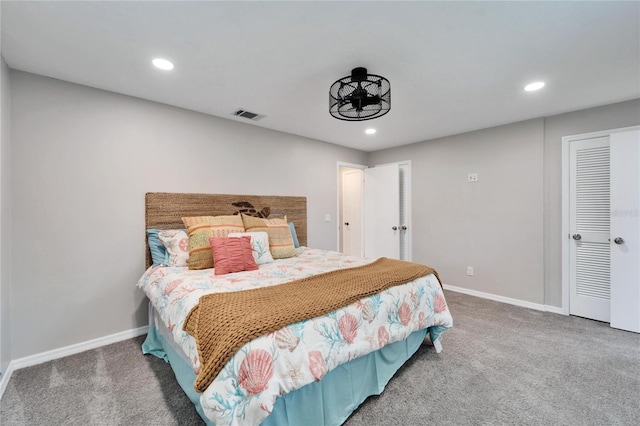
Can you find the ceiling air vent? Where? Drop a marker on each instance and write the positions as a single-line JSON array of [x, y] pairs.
[[246, 114]]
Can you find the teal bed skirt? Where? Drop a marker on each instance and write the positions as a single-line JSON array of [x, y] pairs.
[[327, 402]]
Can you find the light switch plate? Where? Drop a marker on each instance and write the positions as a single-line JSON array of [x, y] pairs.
[[327, 217], [472, 177]]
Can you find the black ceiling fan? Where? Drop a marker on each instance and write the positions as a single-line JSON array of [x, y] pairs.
[[360, 96]]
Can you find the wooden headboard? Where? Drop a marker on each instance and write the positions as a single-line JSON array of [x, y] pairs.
[[165, 210]]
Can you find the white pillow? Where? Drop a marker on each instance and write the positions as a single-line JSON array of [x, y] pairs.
[[259, 246], [177, 244]]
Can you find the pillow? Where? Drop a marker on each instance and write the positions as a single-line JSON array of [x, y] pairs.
[[294, 235], [200, 229], [280, 239], [232, 255], [177, 244], [159, 255], [259, 246]]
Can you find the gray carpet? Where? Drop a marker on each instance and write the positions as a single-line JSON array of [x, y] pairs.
[[501, 364]]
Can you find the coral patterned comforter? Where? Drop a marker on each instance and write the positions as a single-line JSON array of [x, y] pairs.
[[247, 387]]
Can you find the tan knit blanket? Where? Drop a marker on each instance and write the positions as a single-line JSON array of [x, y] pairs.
[[224, 322]]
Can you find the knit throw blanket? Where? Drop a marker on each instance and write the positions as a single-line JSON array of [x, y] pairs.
[[222, 323]]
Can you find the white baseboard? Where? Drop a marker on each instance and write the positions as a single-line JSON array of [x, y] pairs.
[[28, 361], [503, 299], [554, 309], [4, 378]]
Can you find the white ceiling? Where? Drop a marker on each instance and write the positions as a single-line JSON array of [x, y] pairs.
[[453, 66]]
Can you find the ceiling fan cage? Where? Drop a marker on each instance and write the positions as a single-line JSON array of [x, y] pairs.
[[360, 96]]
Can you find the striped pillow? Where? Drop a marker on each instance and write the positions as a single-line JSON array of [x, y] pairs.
[[200, 229], [280, 240]]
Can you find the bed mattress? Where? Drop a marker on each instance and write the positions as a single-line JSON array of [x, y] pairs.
[[275, 365], [328, 402]]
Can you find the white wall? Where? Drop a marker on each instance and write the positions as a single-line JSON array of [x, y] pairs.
[[82, 160], [5, 219], [73, 179], [493, 225], [508, 227]]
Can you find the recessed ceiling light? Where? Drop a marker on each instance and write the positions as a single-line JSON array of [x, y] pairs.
[[370, 131], [534, 86], [163, 64]]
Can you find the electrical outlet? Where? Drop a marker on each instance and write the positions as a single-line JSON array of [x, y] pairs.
[[470, 271], [472, 177]]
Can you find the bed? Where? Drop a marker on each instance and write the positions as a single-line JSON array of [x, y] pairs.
[[313, 372]]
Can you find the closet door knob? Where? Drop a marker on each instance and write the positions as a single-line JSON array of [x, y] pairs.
[[404, 228], [618, 240], [577, 237], [395, 228], [346, 223]]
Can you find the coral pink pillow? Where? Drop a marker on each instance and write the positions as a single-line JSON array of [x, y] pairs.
[[232, 255]]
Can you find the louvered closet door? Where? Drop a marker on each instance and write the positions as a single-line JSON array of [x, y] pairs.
[[589, 216]]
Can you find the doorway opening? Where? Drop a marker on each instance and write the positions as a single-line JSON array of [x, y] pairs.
[[374, 210], [350, 208]]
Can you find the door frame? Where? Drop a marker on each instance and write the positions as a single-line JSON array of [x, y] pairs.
[[566, 140], [408, 211], [339, 199]]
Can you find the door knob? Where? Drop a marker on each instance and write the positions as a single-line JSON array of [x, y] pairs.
[[577, 237], [395, 228], [346, 223], [404, 228], [618, 240]]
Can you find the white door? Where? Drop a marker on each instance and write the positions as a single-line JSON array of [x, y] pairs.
[[625, 230], [352, 187], [382, 212], [589, 210]]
